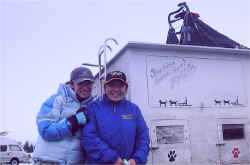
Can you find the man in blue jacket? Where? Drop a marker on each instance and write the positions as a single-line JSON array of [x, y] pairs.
[[60, 121], [117, 130]]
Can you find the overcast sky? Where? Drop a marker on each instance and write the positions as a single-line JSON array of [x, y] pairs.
[[41, 41]]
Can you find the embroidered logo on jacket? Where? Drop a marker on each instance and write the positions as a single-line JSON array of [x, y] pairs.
[[128, 116]]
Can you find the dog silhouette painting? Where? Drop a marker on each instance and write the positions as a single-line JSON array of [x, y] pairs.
[[163, 103], [226, 102], [217, 102], [229, 102], [171, 102]]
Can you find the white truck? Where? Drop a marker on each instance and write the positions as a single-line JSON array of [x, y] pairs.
[[12, 153], [195, 101]]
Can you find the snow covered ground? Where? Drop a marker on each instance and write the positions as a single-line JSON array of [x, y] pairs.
[[20, 164]]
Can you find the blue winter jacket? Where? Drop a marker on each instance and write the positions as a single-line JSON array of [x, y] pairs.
[[55, 141], [115, 130]]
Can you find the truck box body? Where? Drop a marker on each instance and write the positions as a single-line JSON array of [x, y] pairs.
[[194, 99]]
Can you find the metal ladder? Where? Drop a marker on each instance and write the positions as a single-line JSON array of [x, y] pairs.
[[103, 68]]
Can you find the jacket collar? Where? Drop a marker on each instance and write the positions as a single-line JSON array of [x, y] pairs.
[[108, 101], [85, 102], [69, 95], [66, 92]]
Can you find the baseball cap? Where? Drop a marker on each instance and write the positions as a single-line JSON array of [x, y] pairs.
[[116, 75], [81, 74]]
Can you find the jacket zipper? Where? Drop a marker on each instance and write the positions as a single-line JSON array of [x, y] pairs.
[[114, 107]]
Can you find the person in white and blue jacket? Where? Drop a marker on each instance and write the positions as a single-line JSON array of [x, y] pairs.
[[61, 119], [117, 132]]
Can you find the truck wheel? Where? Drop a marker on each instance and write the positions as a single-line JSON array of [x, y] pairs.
[[14, 161]]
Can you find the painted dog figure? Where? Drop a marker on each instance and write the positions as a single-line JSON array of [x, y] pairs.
[[163, 103]]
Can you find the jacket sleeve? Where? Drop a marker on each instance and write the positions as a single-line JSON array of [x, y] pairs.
[[142, 140], [94, 146], [50, 127]]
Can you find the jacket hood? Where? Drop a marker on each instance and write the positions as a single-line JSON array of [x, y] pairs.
[[69, 95], [66, 92]]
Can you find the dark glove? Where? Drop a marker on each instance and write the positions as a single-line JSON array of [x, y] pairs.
[[78, 120]]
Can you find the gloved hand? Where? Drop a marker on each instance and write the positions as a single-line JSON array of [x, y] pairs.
[[81, 119], [78, 120], [84, 111]]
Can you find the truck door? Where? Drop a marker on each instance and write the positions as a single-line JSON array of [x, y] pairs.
[[233, 141], [170, 142]]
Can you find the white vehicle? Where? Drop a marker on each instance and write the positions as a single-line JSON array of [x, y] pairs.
[[194, 99], [12, 153]]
